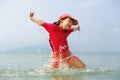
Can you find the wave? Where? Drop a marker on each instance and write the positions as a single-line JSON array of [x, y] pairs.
[[43, 71]]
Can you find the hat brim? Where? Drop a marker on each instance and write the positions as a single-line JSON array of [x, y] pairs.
[[75, 22]]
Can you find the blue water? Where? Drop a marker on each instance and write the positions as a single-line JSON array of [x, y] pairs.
[[34, 66]]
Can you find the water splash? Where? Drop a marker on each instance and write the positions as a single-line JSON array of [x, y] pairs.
[[71, 71], [45, 71]]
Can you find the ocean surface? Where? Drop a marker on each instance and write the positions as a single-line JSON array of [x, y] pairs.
[[34, 66]]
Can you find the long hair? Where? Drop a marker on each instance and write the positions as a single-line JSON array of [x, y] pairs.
[[56, 23]]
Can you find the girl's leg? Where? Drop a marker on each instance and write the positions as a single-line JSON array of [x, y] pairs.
[[54, 64], [76, 62]]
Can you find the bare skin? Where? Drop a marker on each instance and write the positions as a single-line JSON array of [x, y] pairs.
[[35, 20], [65, 24], [76, 62]]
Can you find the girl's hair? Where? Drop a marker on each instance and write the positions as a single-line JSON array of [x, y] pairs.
[[57, 23]]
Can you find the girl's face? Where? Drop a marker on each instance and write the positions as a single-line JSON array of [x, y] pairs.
[[66, 23]]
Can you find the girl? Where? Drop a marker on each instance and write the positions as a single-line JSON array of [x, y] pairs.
[[58, 32]]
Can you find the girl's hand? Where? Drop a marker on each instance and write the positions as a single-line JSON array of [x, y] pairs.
[[35, 20], [31, 14], [78, 27]]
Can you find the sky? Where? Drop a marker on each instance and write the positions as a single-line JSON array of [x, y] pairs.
[[99, 21]]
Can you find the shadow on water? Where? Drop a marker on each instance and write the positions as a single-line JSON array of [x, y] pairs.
[[66, 77]]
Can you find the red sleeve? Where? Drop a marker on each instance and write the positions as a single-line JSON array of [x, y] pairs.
[[48, 26], [71, 30]]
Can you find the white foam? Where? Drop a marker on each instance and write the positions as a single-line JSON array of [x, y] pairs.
[[46, 71], [70, 71]]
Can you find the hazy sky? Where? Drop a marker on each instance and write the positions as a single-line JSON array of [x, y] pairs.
[[99, 21]]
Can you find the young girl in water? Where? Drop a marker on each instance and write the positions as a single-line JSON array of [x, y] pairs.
[[58, 32]]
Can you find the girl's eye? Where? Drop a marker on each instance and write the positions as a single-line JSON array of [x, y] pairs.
[[69, 20]]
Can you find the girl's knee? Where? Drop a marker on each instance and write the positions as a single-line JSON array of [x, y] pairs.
[[78, 63]]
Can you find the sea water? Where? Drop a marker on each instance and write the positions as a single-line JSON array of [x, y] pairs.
[[34, 66]]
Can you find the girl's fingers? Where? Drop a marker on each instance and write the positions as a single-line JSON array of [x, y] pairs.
[[31, 14]]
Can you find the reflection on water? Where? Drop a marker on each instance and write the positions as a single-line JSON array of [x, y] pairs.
[[66, 77]]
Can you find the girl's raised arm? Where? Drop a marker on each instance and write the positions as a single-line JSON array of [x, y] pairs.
[[35, 20]]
